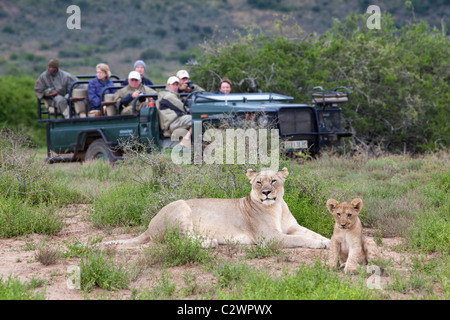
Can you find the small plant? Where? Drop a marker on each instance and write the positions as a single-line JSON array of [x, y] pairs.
[[164, 289], [76, 249], [47, 255], [228, 275], [175, 249], [14, 289], [19, 217], [98, 270], [264, 249], [232, 247]]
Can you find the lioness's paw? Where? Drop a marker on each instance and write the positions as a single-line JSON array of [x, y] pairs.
[[350, 270], [326, 244], [210, 244]]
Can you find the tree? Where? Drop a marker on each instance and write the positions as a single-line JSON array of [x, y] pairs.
[[399, 76]]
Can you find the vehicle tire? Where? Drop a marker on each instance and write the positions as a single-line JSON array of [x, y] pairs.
[[99, 150]]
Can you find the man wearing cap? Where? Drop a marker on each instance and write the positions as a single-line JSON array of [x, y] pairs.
[[53, 85], [172, 109], [140, 67], [125, 96], [186, 85]]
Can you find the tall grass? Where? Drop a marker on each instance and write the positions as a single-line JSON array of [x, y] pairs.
[[306, 282], [402, 196], [13, 289], [29, 195]]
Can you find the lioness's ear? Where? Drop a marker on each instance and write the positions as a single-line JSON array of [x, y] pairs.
[[331, 205], [283, 173], [357, 204], [251, 174]]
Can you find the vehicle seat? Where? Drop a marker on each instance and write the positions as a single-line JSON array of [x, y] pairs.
[[109, 105], [80, 101]]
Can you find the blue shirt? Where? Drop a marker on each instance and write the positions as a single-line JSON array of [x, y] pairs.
[[95, 88]]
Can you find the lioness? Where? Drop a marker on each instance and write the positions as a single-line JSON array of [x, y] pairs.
[[263, 213], [348, 243]]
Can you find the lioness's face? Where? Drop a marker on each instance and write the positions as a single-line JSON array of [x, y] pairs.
[[267, 186], [345, 213]]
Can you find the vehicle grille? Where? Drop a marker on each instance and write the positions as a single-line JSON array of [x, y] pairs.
[[296, 121]]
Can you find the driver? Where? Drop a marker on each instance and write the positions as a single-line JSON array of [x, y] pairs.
[[172, 110]]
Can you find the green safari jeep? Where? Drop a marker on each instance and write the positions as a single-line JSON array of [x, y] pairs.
[[301, 127]]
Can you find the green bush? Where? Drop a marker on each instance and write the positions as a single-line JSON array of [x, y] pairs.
[[14, 289], [175, 249], [398, 76], [122, 205], [97, 269], [17, 217], [24, 176], [306, 282]]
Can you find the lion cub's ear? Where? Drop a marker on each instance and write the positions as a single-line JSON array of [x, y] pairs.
[[357, 204], [251, 174], [331, 205], [283, 173]]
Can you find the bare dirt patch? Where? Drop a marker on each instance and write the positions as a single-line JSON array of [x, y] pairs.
[[18, 258]]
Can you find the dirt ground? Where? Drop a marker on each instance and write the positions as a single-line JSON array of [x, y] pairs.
[[18, 258]]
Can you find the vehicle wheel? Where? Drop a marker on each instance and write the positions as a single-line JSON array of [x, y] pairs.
[[99, 150]]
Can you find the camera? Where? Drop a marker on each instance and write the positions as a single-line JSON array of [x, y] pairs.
[[190, 85]]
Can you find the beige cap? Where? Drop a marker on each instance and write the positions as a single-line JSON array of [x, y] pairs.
[[172, 80], [134, 75], [182, 74]]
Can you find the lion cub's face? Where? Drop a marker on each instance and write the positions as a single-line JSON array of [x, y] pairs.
[[345, 214], [267, 186]]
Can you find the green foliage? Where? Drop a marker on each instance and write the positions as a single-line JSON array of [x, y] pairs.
[[306, 282], [14, 289], [120, 205], [98, 270], [151, 53], [18, 107], [18, 217], [264, 248], [278, 5], [431, 232], [175, 249], [398, 76], [25, 177], [306, 198]]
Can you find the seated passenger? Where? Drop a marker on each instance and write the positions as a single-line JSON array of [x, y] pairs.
[[96, 86], [125, 96], [53, 84], [172, 110], [224, 86], [140, 67], [186, 85]]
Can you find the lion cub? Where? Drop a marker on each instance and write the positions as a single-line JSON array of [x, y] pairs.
[[348, 243]]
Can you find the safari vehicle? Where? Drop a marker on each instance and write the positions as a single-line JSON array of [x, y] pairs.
[[301, 127], [87, 136]]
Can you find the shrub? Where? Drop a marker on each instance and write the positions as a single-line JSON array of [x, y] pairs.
[[97, 269], [175, 249], [47, 255], [306, 282], [24, 176], [19, 218], [122, 205], [396, 103], [14, 289], [18, 104], [151, 54]]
